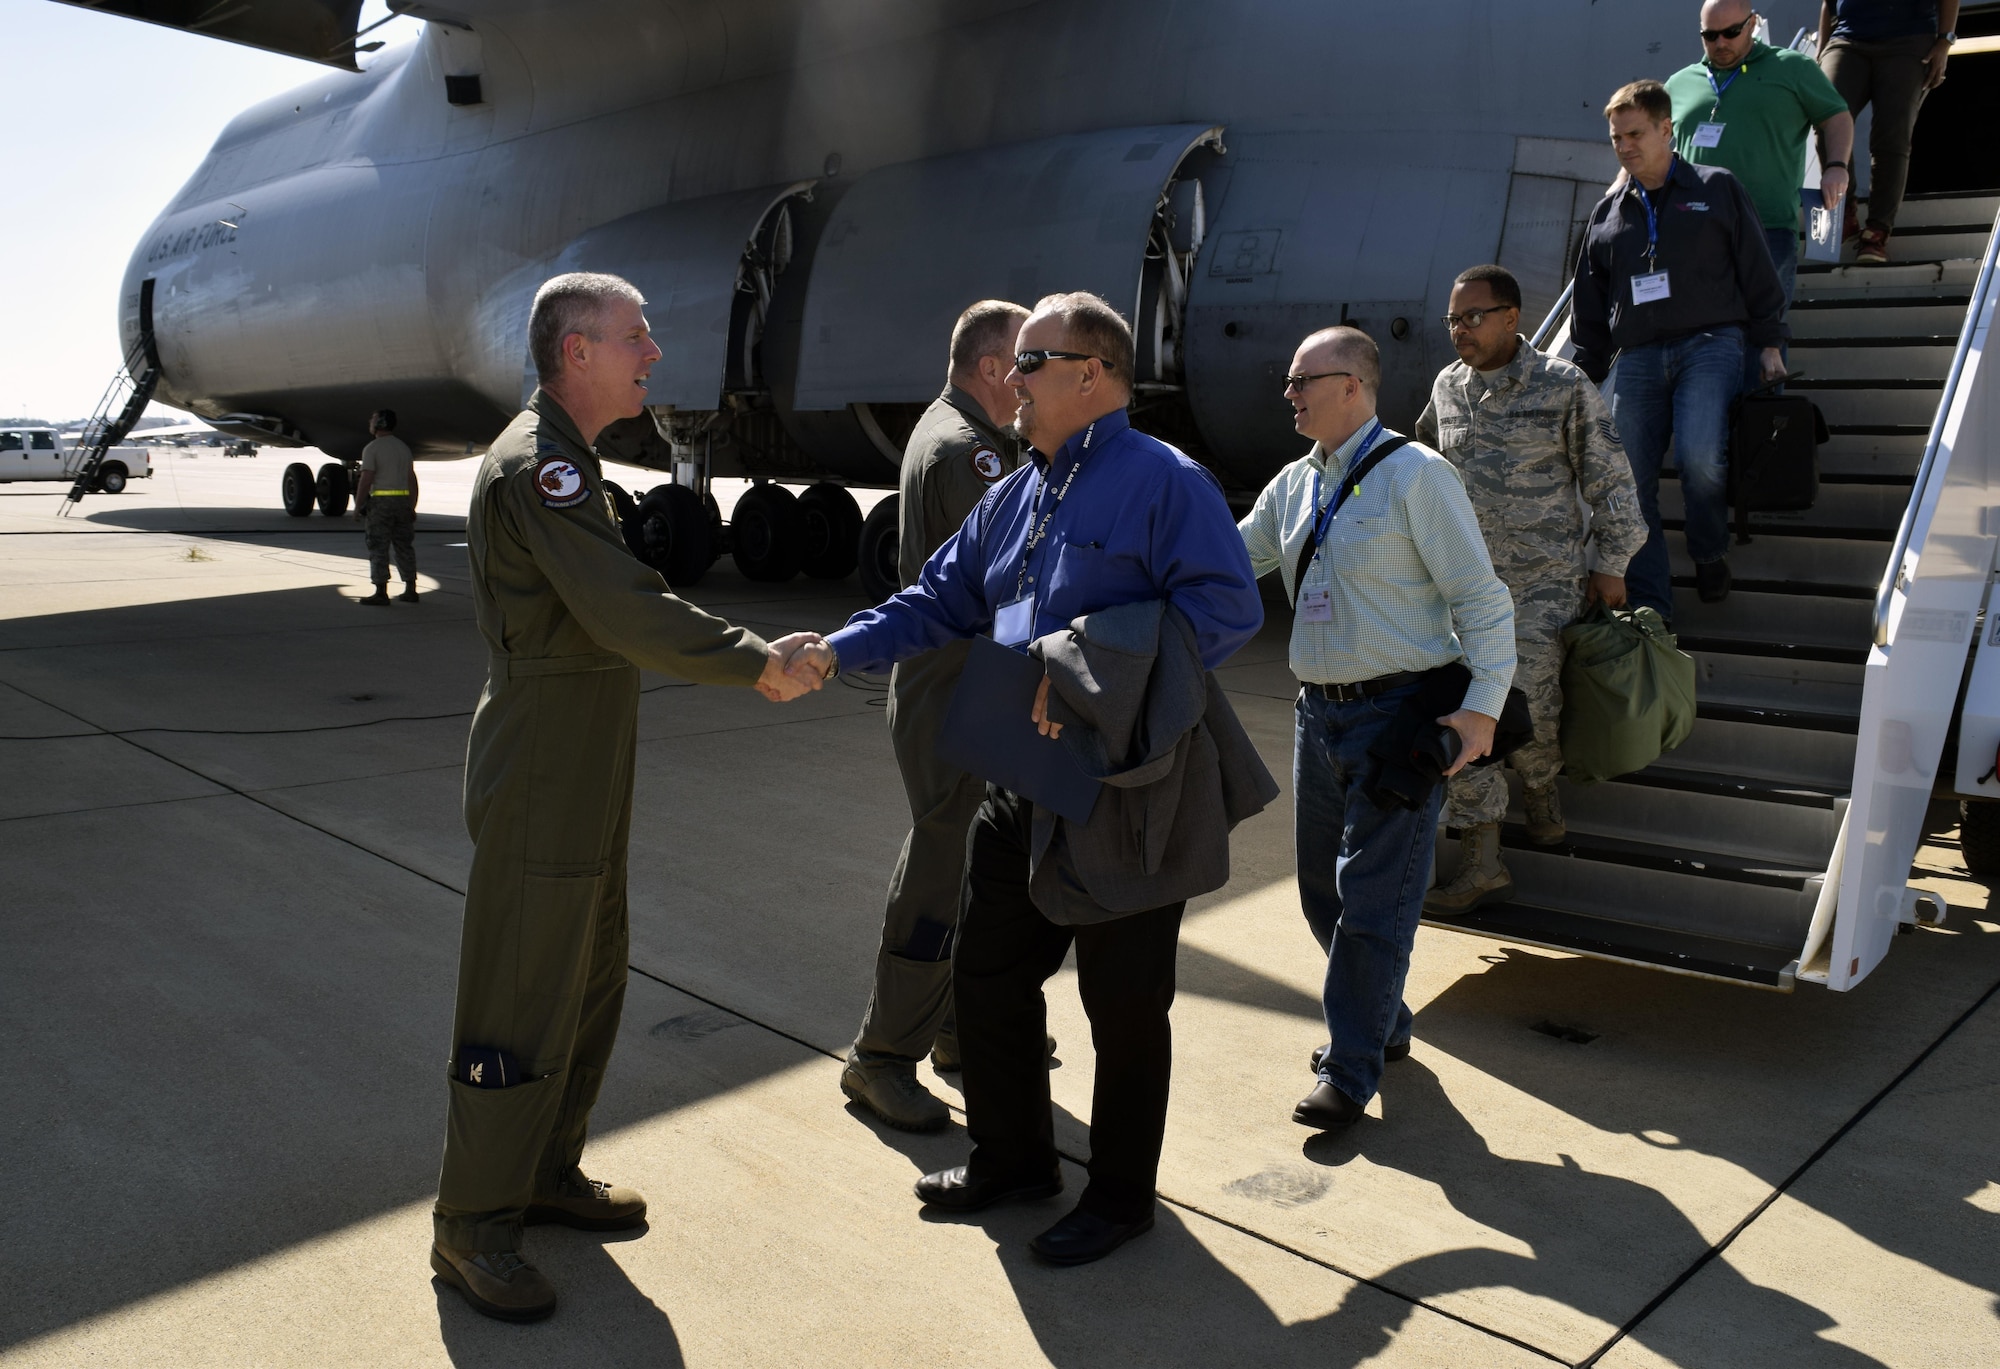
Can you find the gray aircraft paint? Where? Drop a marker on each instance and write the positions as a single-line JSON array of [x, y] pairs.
[[361, 241]]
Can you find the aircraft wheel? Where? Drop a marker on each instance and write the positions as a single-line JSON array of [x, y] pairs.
[[331, 489], [298, 489], [767, 534], [1979, 838], [111, 478], [673, 535], [877, 551], [833, 531]]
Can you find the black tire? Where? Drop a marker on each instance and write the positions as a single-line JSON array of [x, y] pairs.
[[833, 532], [330, 489], [767, 534], [1979, 838], [298, 489], [877, 551], [673, 535], [111, 477], [627, 511]]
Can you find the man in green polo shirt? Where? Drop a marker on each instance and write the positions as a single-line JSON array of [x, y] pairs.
[[1748, 106]]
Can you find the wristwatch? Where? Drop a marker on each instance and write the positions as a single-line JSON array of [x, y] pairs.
[[1948, 37], [1828, 166]]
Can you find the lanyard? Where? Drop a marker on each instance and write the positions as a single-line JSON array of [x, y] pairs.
[[1718, 89], [1652, 215], [1042, 529], [1326, 516]]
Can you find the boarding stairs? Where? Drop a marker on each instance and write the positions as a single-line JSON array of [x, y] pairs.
[[124, 402], [1715, 861]]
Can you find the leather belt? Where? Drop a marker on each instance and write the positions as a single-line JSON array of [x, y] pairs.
[[1362, 689], [522, 667]]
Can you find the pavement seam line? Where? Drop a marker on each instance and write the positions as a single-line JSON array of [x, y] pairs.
[[1709, 1256]]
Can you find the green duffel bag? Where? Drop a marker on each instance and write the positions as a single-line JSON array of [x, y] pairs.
[[1628, 693]]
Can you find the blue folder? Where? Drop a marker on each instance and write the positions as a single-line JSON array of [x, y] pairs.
[[989, 731]]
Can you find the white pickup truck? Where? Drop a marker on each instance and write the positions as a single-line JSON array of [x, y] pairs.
[[40, 454]]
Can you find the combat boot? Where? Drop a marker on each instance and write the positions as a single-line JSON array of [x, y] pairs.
[[945, 1058], [1481, 877], [380, 596], [500, 1284], [889, 1089], [588, 1205], [1544, 814], [409, 594]]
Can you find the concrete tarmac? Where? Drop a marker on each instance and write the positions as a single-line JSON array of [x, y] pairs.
[[232, 861]]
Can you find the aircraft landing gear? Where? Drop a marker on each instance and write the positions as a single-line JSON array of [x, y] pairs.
[[767, 534], [669, 530], [878, 550], [832, 532], [331, 489], [772, 535], [298, 489]]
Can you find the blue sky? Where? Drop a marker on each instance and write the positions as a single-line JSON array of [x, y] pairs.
[[108, 118]]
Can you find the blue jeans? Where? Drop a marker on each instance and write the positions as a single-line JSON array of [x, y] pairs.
[[1362, 875], [1678, 392]]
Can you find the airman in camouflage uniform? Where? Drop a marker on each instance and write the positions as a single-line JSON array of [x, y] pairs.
[[1528, 435]]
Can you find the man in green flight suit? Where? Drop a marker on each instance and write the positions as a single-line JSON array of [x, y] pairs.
[[569, 617], [958, 451]]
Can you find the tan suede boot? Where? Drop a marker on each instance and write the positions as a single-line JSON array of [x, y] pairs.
[[501, 1285], [1481, 878], [1544, 814]]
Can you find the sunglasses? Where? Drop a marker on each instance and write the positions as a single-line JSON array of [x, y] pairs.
[[1300, 382], [1472, 318], [1027, 363], [1719, 35]]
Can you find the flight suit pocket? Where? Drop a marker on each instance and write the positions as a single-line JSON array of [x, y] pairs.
[[493, 1139], [558, 926]]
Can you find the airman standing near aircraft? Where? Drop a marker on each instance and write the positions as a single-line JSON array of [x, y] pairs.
[[569, 616], [1528, 433], [387, 498], [957, 452]]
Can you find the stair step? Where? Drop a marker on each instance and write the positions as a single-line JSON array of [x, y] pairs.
[[1894, 456], [1943, 243], [1729, 819], [1636, 853], [1867, 359], [1632, 882], [1737, 748], [1810, 626], [1825, 281], [1859, 511], [1933, 319], [1825, 563], [1959, 211], [1523, 924], [1747, 679], [1846, 408]]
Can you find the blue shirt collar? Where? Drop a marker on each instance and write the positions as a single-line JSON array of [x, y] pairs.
[[1096, 433]]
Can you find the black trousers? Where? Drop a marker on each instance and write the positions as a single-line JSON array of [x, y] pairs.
[[1006, 952]]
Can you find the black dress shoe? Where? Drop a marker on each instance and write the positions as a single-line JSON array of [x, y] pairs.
[[1084, 1236], [1391, 1053], [953, 1190], [1326, 1108], [1711, 581]]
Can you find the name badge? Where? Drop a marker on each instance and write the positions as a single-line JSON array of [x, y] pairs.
[[1646, 289], [1708, 135], [1013, 624], [1316, 606]]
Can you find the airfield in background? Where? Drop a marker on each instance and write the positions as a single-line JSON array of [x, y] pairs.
[[233, 856]]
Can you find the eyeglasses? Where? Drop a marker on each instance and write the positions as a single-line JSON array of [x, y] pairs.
[[1300, 382], [1027, 363], [1471, 318], [1718, 35]]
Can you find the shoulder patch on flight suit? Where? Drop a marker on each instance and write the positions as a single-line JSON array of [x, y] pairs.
[[986, 463], [560, 484]]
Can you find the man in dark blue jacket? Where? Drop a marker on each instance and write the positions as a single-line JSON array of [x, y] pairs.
[[1102, 516], [1673, 282]]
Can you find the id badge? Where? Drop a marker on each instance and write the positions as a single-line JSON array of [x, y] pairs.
[[1013, 624], [1316, 606], [1647, 289], [1708, 135]]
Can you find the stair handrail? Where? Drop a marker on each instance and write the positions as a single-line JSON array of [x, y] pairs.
[[104, 430], [1557, 313], [1893, 573]]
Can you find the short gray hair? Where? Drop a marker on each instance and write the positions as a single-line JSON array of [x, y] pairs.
[[1091, 324], [981, 329], [1353, 351], [572, 303]]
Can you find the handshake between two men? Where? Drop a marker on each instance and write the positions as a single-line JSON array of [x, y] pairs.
[[805, 661]]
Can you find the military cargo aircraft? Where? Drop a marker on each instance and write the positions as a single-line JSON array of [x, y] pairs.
[[808, 191]]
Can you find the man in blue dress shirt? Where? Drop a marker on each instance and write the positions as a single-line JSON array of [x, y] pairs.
[[1101, 516]]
